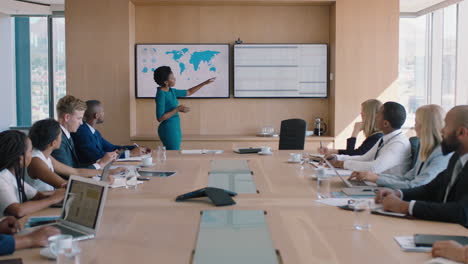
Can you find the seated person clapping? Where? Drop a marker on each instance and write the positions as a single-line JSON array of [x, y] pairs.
[[369, 110], [17, 197], [428, 125], [446, 197], [44, 170]]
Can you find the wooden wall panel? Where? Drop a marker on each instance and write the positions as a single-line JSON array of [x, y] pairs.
[[366, 58], [224, 24], [97, 52]]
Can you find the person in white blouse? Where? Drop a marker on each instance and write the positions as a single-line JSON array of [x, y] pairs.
[[391, 154], [428, 125], [44, 170], [17, 197]]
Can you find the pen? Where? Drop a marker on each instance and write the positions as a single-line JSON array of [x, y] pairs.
[[136, 145], [321, 144]]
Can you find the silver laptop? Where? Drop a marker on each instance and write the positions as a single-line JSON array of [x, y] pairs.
[[350, 183], [106, 171], [82, 208]]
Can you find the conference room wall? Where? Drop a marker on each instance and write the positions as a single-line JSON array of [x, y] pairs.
[[224, 24], [363, 38]]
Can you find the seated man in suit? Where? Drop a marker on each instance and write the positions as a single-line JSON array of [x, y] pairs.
[[9, 242], [90, 145], [70, 111], [391, 154], [446, 197]]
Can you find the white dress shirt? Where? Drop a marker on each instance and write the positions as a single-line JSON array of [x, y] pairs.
[[96, 165], [392, 157], [458, 168], [9, 190], [93, 130]]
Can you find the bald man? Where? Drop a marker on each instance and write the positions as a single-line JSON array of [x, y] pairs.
[[446, 197]]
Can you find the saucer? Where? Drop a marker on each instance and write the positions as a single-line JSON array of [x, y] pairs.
[[294, 161], [46, 252], [146, 166], [265, 153]]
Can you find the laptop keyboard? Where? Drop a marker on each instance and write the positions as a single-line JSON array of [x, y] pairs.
[[357, 183], [67, 231]]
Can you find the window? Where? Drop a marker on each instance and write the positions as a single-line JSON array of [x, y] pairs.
[[40, 66], [413, 64], [58, 54], [428, 60], [449, 57]]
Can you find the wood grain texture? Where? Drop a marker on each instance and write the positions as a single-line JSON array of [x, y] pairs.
[[147, 226]]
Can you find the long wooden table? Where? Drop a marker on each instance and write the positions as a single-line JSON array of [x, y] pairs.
[[147, 226]]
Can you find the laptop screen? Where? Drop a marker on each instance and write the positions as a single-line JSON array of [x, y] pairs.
[[82, 203]]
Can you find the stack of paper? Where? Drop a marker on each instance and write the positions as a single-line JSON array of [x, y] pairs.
[[201, 151], [407, 244], [442, 261]]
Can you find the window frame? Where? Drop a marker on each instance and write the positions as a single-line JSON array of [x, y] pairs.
[[23, 101]]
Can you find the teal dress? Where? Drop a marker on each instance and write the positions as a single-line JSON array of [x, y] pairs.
[[169, 130]]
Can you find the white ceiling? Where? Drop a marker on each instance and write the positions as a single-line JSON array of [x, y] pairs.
[[50, 2], [414, 6], [12, 6]]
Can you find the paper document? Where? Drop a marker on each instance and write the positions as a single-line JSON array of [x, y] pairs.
[[337, 201], [120, 182], [442, 261], [406, 243], [201, 151]]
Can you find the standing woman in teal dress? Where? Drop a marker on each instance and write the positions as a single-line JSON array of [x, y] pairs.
[[168, 108]]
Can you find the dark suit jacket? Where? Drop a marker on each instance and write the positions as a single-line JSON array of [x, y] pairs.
[[67, 154], [363, 149], [429, 198], [91, 147]]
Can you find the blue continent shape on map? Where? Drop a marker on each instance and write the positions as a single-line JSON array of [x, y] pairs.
[[176, 55], [203, 56]]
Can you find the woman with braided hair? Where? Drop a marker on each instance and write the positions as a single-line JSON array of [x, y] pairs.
[[18, 198]]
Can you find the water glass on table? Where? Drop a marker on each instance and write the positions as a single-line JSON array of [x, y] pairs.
[[161, 154], [65, 249], [362, 212], [131, 178], [323, 184]]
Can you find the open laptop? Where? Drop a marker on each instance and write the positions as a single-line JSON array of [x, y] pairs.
[[106, 171], [82, 208], [350, 183]]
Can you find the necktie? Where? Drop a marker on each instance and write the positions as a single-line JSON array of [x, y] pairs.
[[456, 171], [378, 149]]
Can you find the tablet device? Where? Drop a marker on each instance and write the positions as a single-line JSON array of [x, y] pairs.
[[156, 173]]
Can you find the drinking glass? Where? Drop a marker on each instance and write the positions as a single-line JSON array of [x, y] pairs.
[[323, 186], [131, 178], [362, 211]]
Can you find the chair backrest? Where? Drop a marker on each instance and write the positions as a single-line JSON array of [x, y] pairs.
[[292, 134], [414, 141]]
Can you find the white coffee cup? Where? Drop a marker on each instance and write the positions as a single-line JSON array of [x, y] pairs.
[[60, 243], [266, 150], [295, 157], [147, 161]]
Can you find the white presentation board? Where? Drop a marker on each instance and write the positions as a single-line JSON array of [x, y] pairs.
[[280, 70], [190, 63]]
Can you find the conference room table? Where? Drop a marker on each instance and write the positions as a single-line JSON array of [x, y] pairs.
[[146, 225]]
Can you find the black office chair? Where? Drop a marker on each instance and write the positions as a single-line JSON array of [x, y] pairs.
[[292, 134], [414, 141]]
